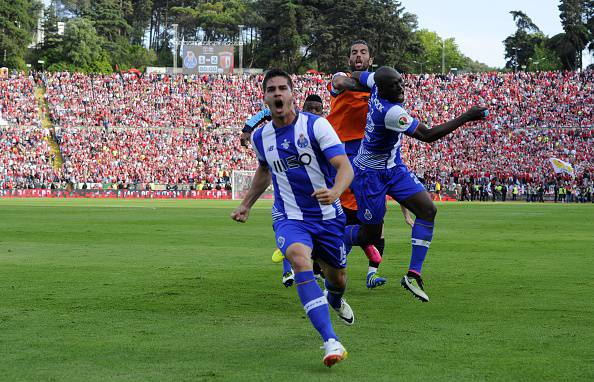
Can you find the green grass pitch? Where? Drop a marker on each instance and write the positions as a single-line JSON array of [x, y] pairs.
[[108, 290]]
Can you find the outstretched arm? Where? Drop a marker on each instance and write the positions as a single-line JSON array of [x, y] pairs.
[[341, 83], [425, 134], [260, 183], [251, 124]]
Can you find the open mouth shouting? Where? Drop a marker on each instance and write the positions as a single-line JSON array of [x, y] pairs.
[[278, 106]]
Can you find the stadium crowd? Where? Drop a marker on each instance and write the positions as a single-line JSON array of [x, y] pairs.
[[131, 131], [17, 101], [27, 160]]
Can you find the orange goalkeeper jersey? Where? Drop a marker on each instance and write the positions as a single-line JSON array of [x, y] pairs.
[[348, 112]]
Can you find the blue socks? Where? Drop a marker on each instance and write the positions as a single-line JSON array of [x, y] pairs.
[[422, 234], [334, 295], [315, 304]]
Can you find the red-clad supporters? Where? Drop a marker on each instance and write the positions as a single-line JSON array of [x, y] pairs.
[[126, 130], [17, 101]]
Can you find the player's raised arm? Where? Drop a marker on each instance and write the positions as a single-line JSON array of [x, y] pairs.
[[425, 134], [261, 181], [342, 82], [252, 123]]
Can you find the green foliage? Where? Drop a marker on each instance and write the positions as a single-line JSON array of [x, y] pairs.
[[293, 34], [51, 51], [282, 37], [563, 47], [18, 21], [83, 47], [139, 57], [575, 16], [520, 46], [109, 21], [430, 60], [139, 19], [544, 58], [383, 24]]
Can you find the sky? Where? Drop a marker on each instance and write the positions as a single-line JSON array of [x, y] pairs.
[[479, 27]]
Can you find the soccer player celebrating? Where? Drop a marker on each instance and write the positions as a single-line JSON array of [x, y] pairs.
[[348, 111], [380, 171], [312, 104], [295, 151]]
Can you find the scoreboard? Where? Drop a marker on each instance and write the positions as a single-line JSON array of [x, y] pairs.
[[207, 59]]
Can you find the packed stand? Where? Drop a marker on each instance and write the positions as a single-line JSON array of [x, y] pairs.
[[136, 131], [146, 158], [17, 101], [27, 160], [125, 100]]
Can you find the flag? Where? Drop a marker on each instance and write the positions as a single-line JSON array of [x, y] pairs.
[[561, 166]]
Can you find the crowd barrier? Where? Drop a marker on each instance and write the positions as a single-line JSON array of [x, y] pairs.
[[116, 194]]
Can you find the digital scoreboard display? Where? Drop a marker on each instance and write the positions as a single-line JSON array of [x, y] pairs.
[[208, 59]]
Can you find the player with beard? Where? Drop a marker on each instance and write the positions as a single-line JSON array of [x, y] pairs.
[[348, 112]]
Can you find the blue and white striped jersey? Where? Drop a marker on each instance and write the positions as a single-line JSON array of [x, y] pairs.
[[298, 157], [386, 122]]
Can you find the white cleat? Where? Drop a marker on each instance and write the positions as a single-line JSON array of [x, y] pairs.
[[415, 286], [334, 352], [345, 312]]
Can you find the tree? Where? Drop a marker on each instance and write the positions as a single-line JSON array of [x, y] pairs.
[[282, 37], [83, 47], [79, 8], [430, 60], [384, 24], [564, 50], [520, 46], [139, 20], [544, 58], [51, 49], [574, 14], [18, 20]]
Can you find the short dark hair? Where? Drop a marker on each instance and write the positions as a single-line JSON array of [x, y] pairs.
[[362, 42], [276, 73], [313, 98]]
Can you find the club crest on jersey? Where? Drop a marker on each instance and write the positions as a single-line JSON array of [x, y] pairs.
[[286, 144], [403, 120], [368, 215], [280, 241], [302, 142]]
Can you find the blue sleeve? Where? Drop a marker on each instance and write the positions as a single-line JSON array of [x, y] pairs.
[[333, 151], [256, 120], [411, 129], [367, 79]]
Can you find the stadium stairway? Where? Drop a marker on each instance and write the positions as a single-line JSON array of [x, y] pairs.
[[47, 123]]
